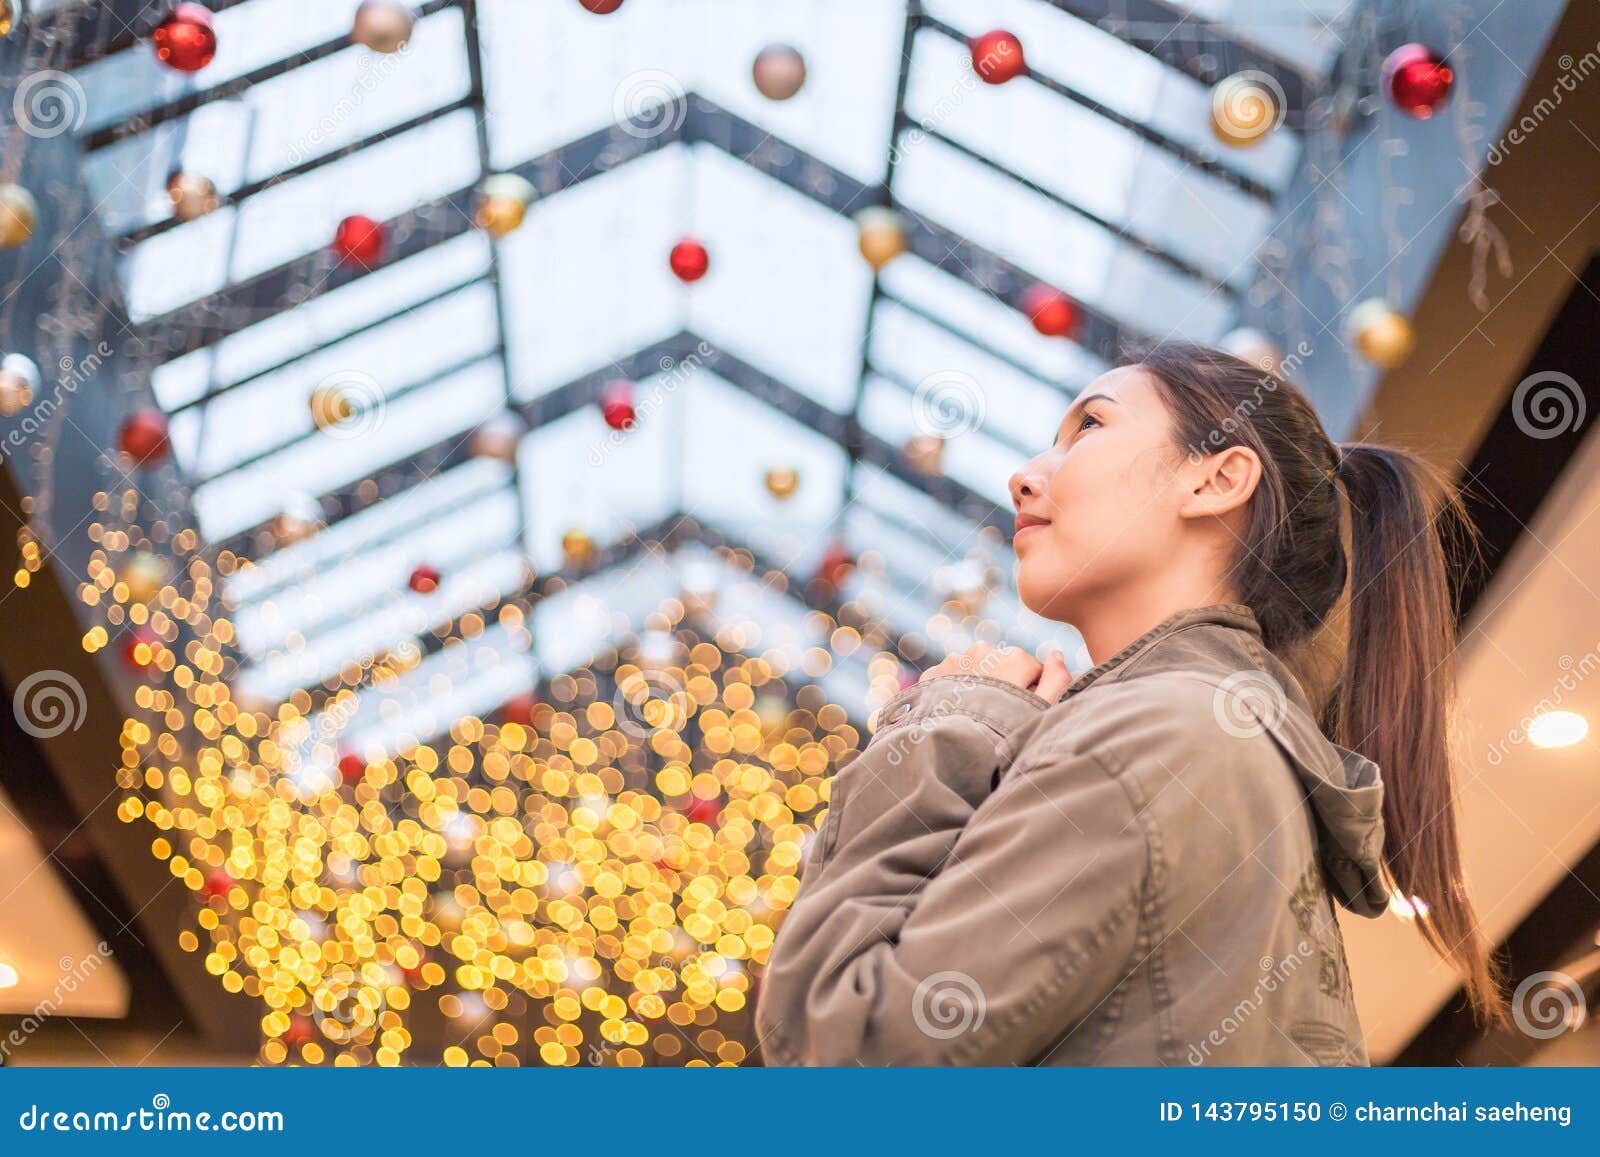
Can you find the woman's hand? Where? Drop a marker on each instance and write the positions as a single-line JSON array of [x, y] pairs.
[[1010, 664]]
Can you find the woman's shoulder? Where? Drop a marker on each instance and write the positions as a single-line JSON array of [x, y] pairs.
[[1191, 723]]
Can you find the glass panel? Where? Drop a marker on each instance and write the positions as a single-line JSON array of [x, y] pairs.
[[376, 580], [960, 386], [307, 112], [280, 337], [1306, 32], [971, 457], [249, 36], [405, 617], [1120, 77], [584, 74], [370, 367], [787, 290], [1107, 169], [578, 474], [299, 216], [975, 314], [440, 497], [1081, 259], [449, 407], [586, 278], [729, 443]]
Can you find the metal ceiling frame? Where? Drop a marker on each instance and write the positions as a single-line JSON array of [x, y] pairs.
[[694, 120]]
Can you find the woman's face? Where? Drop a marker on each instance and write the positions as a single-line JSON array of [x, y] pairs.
[[1099, 510]]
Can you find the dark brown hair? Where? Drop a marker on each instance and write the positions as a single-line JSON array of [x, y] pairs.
[[1391, 697]]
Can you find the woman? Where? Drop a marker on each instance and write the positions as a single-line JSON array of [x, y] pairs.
[[1140, 865]]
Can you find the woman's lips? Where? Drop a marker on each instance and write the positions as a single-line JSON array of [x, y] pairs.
[[1027, 522]]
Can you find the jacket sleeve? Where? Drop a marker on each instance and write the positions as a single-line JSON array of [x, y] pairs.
[[944, 921]]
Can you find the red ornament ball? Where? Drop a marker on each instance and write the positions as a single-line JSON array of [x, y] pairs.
[[601, 7], [519, 709], [997, 57], [835, 564], [140, 648], [689, 260], [352, 768], [185, 40], [360, 241], [413, 974], [703, 811], [143, 436], [1417, 80], [425, 580], [1050, 310], [217, 883], [616, 405], [301, 1031]]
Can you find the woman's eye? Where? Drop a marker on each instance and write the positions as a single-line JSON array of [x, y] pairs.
[[1087, 420]]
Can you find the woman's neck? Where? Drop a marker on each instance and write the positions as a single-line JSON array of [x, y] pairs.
[[1121, 617]]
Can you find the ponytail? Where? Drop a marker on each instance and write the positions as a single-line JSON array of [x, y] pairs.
[[1389, 698], [1392, 702]]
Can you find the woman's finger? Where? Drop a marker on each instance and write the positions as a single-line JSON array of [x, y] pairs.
[[1014, 665], [1054, 678]]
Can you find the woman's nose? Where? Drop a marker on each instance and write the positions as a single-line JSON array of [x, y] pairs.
[[1023, 485]]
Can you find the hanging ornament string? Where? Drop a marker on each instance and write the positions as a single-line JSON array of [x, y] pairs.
[[1477, 229]]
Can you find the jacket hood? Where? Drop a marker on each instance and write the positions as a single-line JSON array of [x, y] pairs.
[[1343, 788], [1345, 792]]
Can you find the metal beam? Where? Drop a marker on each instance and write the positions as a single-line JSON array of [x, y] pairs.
[[244, 192], [784, 162], [1185, 153], [153, 117], [94, 30], [218, 315], [1195, 46]]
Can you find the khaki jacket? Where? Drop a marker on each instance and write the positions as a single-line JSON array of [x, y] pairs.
[[1140, 873]]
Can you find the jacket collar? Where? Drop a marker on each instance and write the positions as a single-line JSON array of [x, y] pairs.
[[1235, 615]]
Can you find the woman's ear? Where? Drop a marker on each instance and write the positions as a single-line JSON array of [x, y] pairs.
[[1222, 482]]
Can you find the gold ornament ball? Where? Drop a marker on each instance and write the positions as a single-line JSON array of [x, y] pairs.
[[779, 71], [782, 482], [300, 518], [498, 438], [19, 382], [883, 235], [330, 406], [1379, 333], [503, 201], [383, 26], [192, 195], [11, 14], [577, 548], [924, 453], [19, 213], [1245, 108], [1255, 347], [144, 574]]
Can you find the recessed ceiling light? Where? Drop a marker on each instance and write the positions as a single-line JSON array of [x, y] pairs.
[[1557, 729], [8, 976]]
